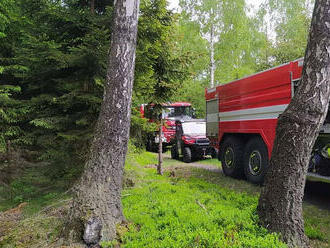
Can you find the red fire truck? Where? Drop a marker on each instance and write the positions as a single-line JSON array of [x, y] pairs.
[[241, 120], [171, 113]]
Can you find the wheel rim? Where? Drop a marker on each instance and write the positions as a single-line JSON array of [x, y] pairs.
[[255, 163], [229, 157]]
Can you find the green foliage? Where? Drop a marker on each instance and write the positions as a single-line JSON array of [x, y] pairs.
[[191, 42], [140, 128], [193, 91], [21, 191], [314, 233], [35, 187], [160, 65], [316, 222], [291, 24], [241, 44], [189, 212], [53, 68], [10, 110], [109, 244]]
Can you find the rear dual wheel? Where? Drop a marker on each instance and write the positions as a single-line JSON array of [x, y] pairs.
[[250, 160], [255, 160], [231, 157]]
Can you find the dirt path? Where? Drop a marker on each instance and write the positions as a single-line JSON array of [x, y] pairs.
[[208, 167]]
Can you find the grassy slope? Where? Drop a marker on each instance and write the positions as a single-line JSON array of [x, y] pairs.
[[187, 207]]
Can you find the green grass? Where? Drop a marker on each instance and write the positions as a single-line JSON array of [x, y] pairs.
[[34, 186], [317, 225], [201, 208], [186, 207], [185, 211]]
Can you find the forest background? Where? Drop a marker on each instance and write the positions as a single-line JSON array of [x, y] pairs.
[[53, 60], [54, 55]]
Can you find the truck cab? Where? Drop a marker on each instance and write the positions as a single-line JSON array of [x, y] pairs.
[[190, 141]]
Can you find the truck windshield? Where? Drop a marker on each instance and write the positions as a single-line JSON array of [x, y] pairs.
[[178, 111], [194, 128]]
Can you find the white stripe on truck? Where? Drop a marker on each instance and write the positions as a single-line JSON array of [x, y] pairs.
[[271, 112]]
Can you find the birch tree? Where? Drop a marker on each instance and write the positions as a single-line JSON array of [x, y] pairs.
[[208, 15], [280, 203], [289, 27], [96, 207]]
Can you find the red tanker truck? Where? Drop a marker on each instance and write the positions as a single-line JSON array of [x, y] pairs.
[[241, 118]]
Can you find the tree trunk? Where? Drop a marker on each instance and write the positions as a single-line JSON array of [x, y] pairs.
[[92, 6], [160, 150], [96, 207], [280, 203]]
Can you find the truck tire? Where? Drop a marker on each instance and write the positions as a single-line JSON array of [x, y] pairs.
[[255, 160], [174, 152], [186, 155], [231, 156]]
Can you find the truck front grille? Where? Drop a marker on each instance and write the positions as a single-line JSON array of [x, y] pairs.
[[203, 141]]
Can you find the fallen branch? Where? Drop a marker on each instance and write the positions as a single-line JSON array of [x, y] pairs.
[[201, 205]]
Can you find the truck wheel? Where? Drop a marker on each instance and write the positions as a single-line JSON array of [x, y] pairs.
[[186, 155], [174, 152], [231, 157], [255, 160]]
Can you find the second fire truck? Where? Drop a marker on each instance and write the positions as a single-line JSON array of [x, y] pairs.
[[171, 113]]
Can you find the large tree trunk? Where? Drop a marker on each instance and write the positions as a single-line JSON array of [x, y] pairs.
[[97, 205], [280, 203]]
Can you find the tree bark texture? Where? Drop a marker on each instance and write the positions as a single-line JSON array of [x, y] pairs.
[[97, 207], [280, 203]]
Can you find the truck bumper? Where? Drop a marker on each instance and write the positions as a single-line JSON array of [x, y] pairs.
[[202, 149]]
